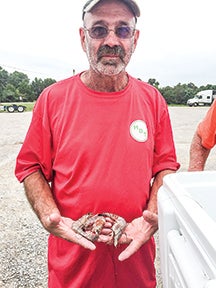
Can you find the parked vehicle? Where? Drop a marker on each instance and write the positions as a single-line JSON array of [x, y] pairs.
[[202, 98], [12, 108]]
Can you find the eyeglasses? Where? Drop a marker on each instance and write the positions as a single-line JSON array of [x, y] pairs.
[[100, 32]]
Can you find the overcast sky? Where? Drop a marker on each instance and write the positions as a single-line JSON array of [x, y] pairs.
[[177, 42]]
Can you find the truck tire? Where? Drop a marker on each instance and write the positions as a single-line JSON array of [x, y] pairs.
[[10, 109], [195, 104], [20, 108]]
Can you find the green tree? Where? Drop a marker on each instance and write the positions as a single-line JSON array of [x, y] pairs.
[[38, 85], [153, 82], [16, 78], [3, 81], [21, 84], [207, 87], [167, 93], [25, 92], [179, 94], [10, 93]]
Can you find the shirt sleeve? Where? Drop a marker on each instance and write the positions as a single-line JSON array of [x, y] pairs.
[[164, 150], [36, 151], [207, 128]]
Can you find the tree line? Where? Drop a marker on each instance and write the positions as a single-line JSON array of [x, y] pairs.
[[17, 87], [180, 93]]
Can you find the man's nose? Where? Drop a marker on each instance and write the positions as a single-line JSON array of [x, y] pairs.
[[111, 39]]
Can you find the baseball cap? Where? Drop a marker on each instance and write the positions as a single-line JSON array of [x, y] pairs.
[[132, 5]]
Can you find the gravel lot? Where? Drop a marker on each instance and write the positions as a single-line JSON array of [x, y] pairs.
[[22, 240]]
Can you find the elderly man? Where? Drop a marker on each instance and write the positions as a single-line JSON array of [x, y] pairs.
[[99, 142]]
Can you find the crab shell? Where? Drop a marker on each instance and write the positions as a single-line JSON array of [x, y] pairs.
[[90, 226]]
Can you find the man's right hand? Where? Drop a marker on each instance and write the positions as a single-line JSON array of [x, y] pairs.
[[41, 199], [61, 227]]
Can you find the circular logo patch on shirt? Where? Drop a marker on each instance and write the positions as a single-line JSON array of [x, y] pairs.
[[139, 131]]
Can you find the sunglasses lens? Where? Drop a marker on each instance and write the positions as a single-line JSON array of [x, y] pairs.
[[98, 32], [124, 32]]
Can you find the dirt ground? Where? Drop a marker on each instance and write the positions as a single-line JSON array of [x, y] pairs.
[[22, 239]]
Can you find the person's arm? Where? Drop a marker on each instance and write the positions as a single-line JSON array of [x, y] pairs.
[[157, 183], [141, 229], [41, 199], [198, 154]]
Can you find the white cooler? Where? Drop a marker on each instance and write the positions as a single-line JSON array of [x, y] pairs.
[[187, 230]]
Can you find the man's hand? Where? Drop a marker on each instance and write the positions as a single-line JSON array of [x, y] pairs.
[[41, 199], [61, 227], [137, 233]]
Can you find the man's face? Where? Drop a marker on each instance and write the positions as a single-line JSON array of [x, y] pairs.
[[110, 54]]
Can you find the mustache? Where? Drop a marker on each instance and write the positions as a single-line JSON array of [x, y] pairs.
[[113, 51]]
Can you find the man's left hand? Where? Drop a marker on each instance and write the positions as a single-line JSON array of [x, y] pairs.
[[137, 233]]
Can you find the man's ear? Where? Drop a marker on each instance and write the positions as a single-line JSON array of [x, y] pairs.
[[82, 38], [136, 37]]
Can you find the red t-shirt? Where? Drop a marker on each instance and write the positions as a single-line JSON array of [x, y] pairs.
[[207, 128], [100, 152]]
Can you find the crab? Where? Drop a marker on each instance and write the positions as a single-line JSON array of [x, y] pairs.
[[90, 226]]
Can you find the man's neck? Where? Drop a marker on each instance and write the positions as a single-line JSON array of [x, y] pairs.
[[104, 83]]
